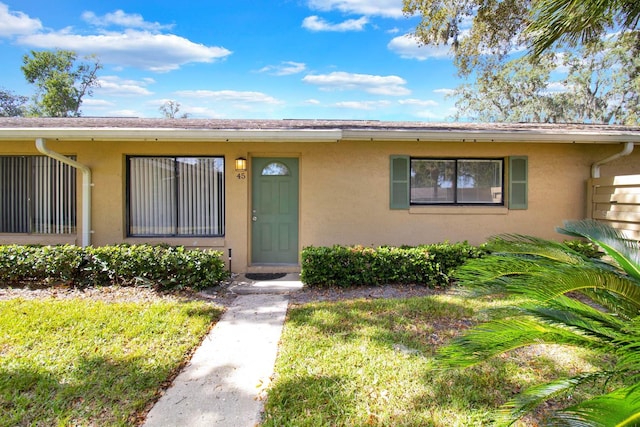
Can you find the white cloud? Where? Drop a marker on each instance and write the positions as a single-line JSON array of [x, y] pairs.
[[230, 96], [16, 23], [315, 23], [140, 49], [92, 102], [312, 102], [115, 86], [418, 102], [429, 115], [363, 105], [285, 68], [445, 91], [386, 8], [125, 113], [197, 111], [122, 19], [408, 47], [378, 85]]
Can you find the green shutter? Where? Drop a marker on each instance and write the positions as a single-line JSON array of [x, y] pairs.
[[518, 177], [399, 174]]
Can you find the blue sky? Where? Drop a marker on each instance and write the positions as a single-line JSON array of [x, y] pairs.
[[324, 59]]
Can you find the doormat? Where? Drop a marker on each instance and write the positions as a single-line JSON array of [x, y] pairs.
[[264, 276]]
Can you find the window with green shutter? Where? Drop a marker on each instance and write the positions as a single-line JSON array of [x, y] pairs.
[[399, 191], [518, 187], [426, 181]]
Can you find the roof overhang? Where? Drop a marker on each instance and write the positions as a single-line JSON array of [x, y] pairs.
[[314, 131], [531, 136], [168, 134]]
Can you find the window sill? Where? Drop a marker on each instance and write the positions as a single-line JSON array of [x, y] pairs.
[[37, 239], [459, 210], [199, 242]]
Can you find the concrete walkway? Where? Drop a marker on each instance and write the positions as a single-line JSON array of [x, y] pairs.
[[223, 383]]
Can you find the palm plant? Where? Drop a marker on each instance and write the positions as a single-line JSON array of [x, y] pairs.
[[567, 299]]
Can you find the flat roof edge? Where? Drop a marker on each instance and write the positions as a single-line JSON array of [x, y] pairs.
[[317, 135]]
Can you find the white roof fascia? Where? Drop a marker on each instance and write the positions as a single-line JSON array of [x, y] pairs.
[[535, 136], [169, 134], [317, 135]]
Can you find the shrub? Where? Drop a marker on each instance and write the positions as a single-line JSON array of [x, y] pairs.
[[430, 265], [138, 265]]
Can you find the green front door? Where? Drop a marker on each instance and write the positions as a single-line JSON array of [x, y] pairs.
[[274, 210]]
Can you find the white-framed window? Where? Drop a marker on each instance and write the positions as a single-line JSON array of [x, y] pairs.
[[37, 195], [456, 181], [175, 196]]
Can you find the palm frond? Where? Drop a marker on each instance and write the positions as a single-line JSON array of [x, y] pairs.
[[529, 245], [611, 301], [624, 251], [618, 408], [494, 272], [571, 21], [563, 297], [543, 280], [532, 397], [499, 336], [629, 348], [580, 317]]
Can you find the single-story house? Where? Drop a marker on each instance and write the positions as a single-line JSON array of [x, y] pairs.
[[261, 190]]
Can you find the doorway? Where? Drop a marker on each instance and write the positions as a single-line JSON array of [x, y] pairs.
[[274, 210]]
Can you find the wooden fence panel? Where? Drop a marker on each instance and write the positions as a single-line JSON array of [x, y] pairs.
[[616, 201]]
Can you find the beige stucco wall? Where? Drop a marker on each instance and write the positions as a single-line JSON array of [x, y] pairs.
[[344, 191]]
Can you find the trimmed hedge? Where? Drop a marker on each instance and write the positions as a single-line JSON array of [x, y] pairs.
[[160, 266], [429, 265]]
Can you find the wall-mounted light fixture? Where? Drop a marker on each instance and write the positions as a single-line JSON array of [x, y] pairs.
[[241, 164]]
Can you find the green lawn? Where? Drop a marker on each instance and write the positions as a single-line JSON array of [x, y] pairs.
[[79, 362], [371, 362]]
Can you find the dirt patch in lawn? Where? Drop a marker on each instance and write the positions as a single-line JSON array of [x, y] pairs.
[[307, 295], [218, 295]]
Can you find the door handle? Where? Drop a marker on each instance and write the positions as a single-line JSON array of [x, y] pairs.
[[254, 218]]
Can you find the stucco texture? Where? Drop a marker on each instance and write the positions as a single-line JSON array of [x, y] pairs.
[[344, 191]]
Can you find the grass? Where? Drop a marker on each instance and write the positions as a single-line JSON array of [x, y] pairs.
[[79, 362], [371, 362]]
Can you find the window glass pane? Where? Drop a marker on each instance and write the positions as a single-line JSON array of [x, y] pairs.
[[432, 181], [152, 198], [181, 196], [54, 207], [14, 195], [37, 195], [200, 196], [275, 169], [479, 181]]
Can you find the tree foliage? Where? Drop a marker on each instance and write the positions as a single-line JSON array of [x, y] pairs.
[[565, 299], [170, 109], [61, 81], [596, 43], [12, 105], [600, 83], [479, 27]]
